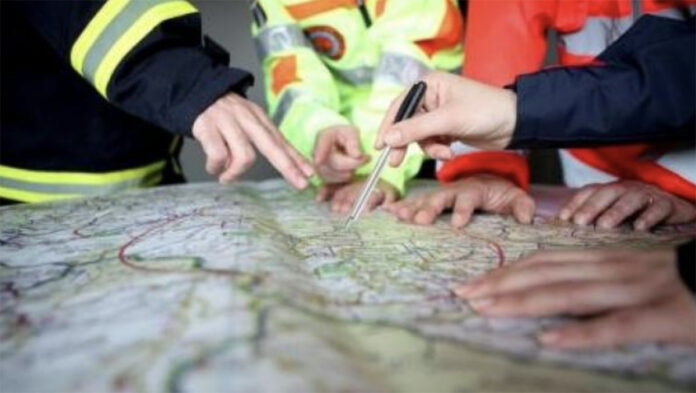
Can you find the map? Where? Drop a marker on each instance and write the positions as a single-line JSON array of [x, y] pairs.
[[255, 287]]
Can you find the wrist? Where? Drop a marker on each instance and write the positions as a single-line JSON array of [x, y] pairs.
[[509, 117]]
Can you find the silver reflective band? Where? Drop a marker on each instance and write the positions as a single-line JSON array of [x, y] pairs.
[[81, 189], [399, 69], [113, 32], [601, 31], [594, 37], [278, 38], [355, 76], [675, 13], [284, 105]]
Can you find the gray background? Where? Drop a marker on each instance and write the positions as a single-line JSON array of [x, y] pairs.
[[229, 23]]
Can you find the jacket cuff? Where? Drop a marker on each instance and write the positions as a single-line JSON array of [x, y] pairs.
[[686, 263], [532, 110], [509, 165]]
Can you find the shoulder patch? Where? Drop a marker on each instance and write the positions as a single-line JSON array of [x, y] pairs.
[[327, 41]]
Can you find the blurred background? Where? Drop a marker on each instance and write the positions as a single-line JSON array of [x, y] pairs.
[[228, 22]]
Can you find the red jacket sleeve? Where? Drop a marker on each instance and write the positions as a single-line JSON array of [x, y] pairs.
[[505, 38]]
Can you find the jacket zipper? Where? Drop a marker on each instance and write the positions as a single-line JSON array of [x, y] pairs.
[[364, 13]]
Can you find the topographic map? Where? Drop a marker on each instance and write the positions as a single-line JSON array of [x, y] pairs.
[[255, 287]]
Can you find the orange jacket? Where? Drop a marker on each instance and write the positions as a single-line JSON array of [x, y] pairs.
[[518, 31]]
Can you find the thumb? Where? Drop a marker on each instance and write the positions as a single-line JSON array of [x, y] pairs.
[[322, 150], [438, 123], [523, 207], [350, 141]]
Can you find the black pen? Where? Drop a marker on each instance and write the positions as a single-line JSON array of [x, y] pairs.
[[407, 109]]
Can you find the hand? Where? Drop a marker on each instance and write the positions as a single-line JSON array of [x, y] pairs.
[[337, 154], [229, 128], [632, 295], [343, 196], [454, 109], [611, 204], [486, 192]]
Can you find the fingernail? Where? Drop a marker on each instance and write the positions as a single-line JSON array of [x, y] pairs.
[[393, 137], [302, 183], [580, 220], [457, 220], [605, 224], [481, 303], [462, 291], [308, 170], [640, 225], [549, 337], [564, 215], [468, 290], [421, 218], [526, 218]]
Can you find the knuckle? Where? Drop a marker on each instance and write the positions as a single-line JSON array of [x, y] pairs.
[[617, 188], [250, 157], [217, 156], [624, 320], [618, 211], [590, 187], [287, 166]]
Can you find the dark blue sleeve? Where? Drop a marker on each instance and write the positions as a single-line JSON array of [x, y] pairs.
[[643, 91], [167, 79], [686, 264]]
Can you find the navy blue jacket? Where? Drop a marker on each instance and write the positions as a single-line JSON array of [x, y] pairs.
[[644, 90]]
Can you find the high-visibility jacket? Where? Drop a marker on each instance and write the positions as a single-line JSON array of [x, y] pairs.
[[341, 62], [97, 94], [585, 28]]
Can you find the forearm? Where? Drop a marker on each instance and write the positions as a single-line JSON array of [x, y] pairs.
[[644, 92], [591, 106]]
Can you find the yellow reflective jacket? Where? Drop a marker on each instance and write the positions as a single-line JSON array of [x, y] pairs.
[[342, 62]]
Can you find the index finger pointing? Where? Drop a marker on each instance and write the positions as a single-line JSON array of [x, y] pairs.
[[263, 139], [300, 161]]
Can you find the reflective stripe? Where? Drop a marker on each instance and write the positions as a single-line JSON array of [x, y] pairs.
[[115, 31], [577, 174], [681, 162], [93, 30], [399, 69], [637, 9], [286, 101], [596, 34], [310, 8], [674, 13], [32, 197], [278, 38], [36, 186], [599, 32], [355, 76]]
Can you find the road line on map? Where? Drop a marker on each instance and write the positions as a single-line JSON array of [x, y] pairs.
[[123, 258]]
